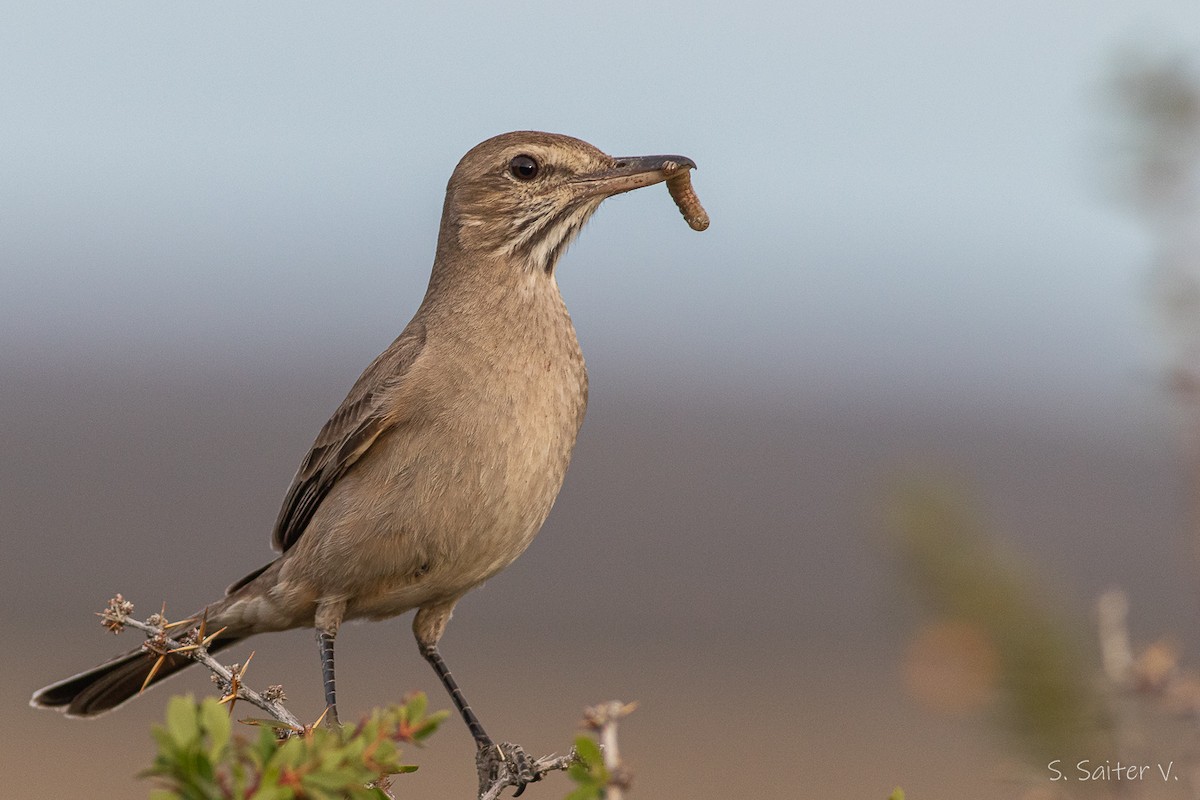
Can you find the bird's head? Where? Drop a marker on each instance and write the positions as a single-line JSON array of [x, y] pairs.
[[523, 196]]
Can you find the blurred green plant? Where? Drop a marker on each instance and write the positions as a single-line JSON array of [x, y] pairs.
[[589, 773], [1045, 680], [199, 758]]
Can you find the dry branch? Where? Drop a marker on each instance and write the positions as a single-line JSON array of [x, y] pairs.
[[193, 645]]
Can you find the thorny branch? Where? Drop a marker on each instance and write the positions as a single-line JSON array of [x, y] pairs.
[[194, 645], [541, 767]]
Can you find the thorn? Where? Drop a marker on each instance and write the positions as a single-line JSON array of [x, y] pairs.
[[310, 728], [235, 681], [208, 639], [203, 626], [153, 672]]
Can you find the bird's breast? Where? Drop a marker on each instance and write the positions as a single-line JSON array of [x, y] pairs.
[[467, 483]]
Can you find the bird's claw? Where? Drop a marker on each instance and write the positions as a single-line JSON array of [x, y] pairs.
[[505, 763]]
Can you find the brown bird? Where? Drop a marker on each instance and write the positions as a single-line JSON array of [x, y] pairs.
[[441, 464]]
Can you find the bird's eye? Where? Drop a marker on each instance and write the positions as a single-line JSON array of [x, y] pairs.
[[523, 168]]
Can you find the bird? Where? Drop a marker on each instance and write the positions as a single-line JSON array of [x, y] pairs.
[[440, 466]]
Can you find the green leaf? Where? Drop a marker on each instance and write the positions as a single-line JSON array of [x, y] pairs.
[[586, 793], [181, 720], [289, 754], [386, 753], [163, 794], [589, 751], [429, 726], [897, 794], [353, 749], [333, 780], [263, 750], [416, 706], [215, 720], [578, 772], [272, 793], [163, 739]]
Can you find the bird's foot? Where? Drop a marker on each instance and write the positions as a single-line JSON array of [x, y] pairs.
[[502, 765]]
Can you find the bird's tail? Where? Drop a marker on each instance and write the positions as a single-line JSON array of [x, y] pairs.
[[107, 686]]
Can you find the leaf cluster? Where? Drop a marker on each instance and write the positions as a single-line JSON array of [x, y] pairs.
[[199, 758]]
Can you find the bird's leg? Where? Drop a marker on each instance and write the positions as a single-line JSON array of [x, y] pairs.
[[328, 618], [431, 654], [325, 639], [490, 758]]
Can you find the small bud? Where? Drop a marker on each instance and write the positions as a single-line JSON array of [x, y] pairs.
[[115, 613]]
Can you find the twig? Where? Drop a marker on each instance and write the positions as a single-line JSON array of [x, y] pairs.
[[603, 719], [541, 767], [1112, 611], [117, 616]]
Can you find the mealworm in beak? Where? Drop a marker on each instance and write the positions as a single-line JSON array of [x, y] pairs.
[[679, 184]]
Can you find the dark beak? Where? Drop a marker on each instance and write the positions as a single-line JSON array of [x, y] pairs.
[[629, 173]]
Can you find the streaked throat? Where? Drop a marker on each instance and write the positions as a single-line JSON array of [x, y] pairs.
[[546, 233]]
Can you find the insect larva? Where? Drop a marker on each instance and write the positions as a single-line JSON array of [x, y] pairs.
[[679, 184]]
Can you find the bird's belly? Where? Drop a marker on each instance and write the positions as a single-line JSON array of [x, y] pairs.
[[449, 508]]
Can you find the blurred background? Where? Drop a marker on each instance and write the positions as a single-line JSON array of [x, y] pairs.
[[946, 306]]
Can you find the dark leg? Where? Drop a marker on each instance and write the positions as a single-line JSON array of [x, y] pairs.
[[325, 639], [431, 654], [490, 758]]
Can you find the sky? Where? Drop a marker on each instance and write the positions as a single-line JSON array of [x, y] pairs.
[[910, 202]]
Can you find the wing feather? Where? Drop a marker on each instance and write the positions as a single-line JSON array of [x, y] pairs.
[[368, 411]]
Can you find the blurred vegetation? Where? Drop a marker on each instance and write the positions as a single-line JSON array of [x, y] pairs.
[[1035, 663], [1156, 115], [1156, 101], [589, 773], [199, 758]]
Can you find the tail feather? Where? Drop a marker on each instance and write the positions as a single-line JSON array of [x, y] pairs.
[[107, 686]]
